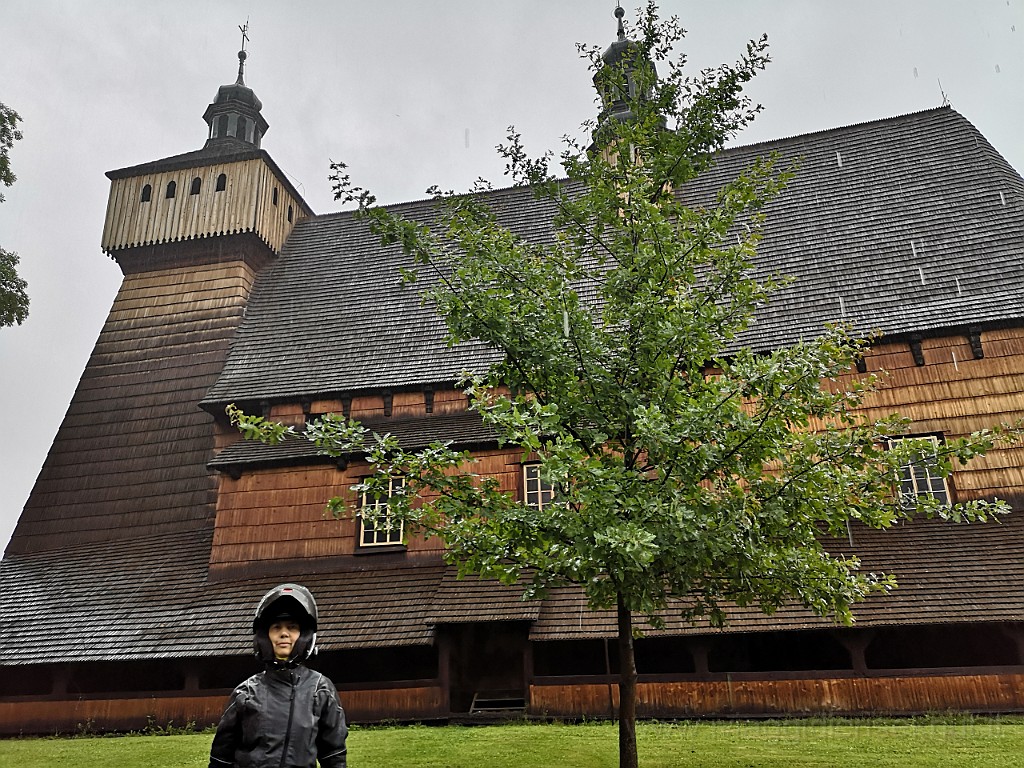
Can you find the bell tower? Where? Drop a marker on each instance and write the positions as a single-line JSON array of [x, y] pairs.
[[231, 188], [191, 233]]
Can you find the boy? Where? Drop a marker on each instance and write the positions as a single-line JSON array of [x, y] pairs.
[[288, 714]]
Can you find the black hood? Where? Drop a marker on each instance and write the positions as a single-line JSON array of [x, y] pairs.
[[296, 602]]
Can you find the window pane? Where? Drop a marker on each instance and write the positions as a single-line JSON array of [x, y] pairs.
[[918, 479], [376, 524], [536, 492]]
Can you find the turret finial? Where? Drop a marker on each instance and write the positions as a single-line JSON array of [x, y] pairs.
[[619, 13], [244, 29]]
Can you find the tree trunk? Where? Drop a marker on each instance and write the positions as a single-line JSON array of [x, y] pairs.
[[627, 689]]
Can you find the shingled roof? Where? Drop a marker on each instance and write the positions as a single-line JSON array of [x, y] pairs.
[[904, 225], [156, 592], [947, 574], [462, 429]]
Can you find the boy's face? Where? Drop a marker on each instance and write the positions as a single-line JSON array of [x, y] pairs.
[[283, 635]]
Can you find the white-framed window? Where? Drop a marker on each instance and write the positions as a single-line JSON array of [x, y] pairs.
[[917, 477], [536, 493], [377, 526]]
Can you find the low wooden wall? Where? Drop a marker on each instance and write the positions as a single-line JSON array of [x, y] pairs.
[[425, 702], [850, 695], [47, 716], [39, 715]]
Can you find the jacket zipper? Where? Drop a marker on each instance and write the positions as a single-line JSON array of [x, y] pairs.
[[291, 713]]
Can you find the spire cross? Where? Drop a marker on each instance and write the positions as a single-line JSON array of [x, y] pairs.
[[244, 29]]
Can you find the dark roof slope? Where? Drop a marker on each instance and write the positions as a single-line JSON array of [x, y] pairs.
[[947, 573], [901, 225], [463, 429], [154, 591]]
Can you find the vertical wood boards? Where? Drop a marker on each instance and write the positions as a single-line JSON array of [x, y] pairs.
[[245, 205]]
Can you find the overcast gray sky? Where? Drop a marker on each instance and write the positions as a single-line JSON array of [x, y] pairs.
[[409, 93]]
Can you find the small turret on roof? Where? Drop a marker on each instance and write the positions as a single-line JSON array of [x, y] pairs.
[[617, 80], [234, 115]]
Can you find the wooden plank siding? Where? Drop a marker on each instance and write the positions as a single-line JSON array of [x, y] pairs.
[[955, 394], [827, 696], [126, 713], [822, 695], [245, 205], [280, 512], [129, 458]]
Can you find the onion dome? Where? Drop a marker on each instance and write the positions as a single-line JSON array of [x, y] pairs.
[[616, 80], [234, 114]]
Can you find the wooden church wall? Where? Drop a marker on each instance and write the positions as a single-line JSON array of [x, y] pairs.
[[279, 513], [129, 458], [954, 394], [276, 513], [822, 695], [571, 699]]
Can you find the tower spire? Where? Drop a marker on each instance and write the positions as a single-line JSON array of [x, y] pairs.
[[622, 80], [234, 114], [242, 55]]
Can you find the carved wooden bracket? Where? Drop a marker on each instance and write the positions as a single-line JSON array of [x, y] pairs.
[[974, 337], [915, 349]]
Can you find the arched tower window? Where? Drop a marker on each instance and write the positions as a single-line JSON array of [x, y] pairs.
[[197, 183], [240, 128], [222, 126], [147, 193], [172, 187], [289, 213], [222, 182], [273, 197]]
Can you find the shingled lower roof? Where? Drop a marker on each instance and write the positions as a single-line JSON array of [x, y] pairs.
[[154, 591], [947, 573], [905, 225], [462, 429]]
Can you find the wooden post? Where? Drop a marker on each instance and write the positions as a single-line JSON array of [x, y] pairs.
[[856, 644], [444, 670], [699, 652]]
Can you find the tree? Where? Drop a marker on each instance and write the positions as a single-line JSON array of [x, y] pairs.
[[13, 297], [691, 473]]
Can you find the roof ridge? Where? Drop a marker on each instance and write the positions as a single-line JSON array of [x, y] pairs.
[[846, 127]]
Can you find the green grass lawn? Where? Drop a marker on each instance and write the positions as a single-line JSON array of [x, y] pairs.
[[878, 744]]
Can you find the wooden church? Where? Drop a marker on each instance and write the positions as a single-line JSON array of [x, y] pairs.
[[152, 530]]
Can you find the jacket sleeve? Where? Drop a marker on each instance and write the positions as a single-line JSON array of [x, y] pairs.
[[228, 735], [331, 731]]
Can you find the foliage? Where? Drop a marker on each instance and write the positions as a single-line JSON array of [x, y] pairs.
[[9, 134], [13, 296]]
